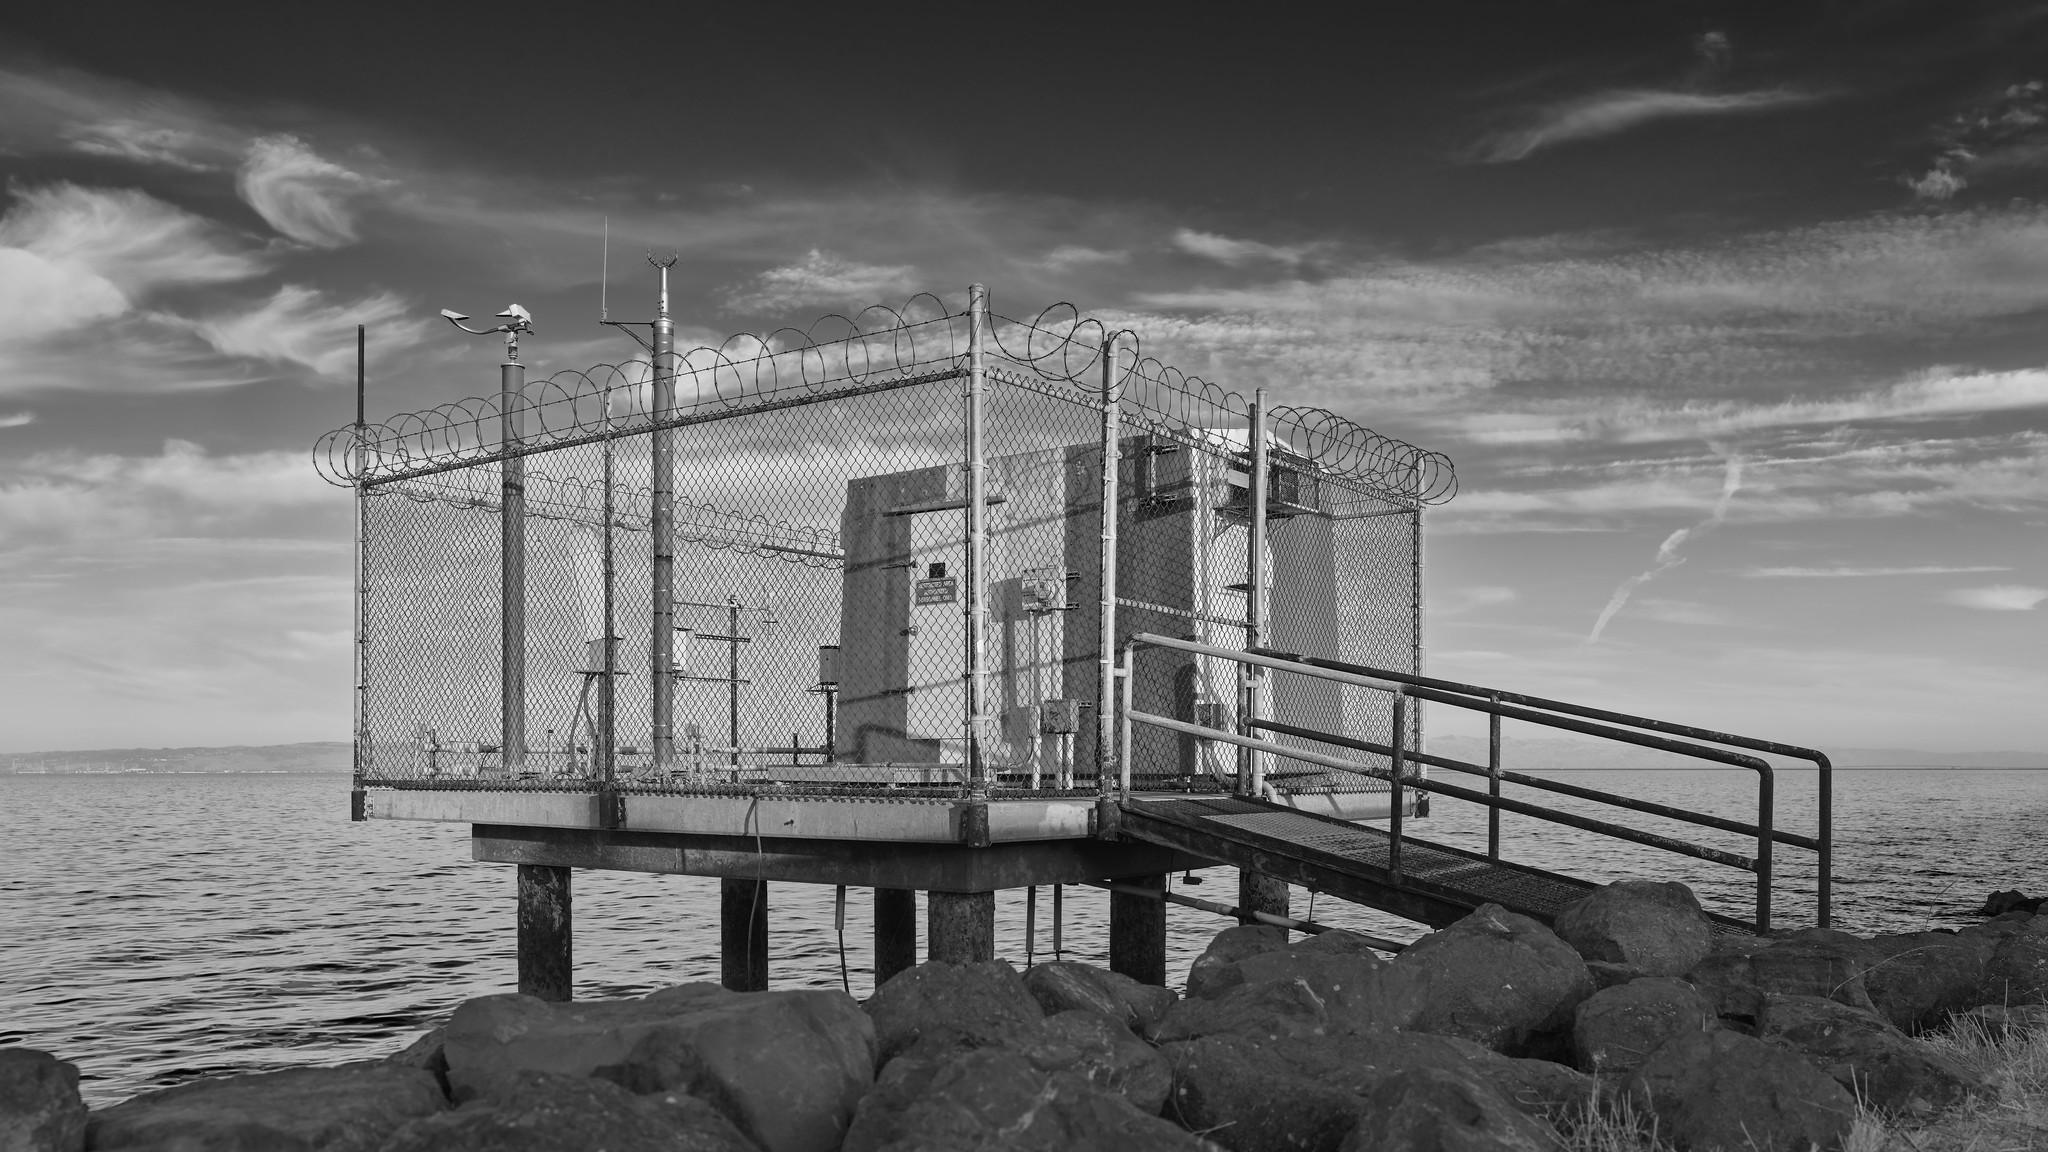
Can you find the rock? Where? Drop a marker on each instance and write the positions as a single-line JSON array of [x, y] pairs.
[[2017, 972], [994, 1098], [1064, 984], [1917, 981], [786, 1067], [1811, 962], [351, 1108], [1216, 968], [1541, 1088], [1882, 1066], [543, 1112], [1723, 1090], [1331, 994], [39, 1106], [980, 1005], [1656, 929], [1439, 1109], [2011, 900], [1616, 1029], [1310, 1091], [1495, 977], [493, 1036], [1102, 1051], [429, 1053]]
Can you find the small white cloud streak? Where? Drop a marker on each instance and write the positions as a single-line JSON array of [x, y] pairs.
[[1862, 573], [822, 278], [1234, 252], [1668, 556], [1997, 598], [1619, 110], [298, 325], [17, 419], [299, 193]]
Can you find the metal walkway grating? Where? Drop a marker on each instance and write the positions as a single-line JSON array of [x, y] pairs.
[[1336, 855]]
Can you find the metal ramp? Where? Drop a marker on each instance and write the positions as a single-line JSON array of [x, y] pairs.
[[1433, 883]]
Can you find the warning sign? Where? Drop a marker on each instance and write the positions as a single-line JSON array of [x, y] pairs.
[[944, 590]]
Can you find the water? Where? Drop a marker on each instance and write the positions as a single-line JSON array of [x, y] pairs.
[[158, 928]]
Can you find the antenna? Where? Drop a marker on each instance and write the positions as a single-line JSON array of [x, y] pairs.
[[604, 276]]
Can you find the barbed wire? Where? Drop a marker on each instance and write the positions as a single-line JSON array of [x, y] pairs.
[[923, 340]]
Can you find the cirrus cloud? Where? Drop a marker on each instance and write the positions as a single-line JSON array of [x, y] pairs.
[[1997, 598]]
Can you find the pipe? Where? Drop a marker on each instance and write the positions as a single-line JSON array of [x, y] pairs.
[[512, 565], [661, 527], [1251, 767], [976, 606], [1106, 749]]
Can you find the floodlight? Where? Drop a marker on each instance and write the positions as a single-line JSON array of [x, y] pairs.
[[452, 314], [515, 312]]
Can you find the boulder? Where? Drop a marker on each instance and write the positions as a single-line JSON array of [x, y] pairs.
[[1710, 1091], [1308, 1092], [351, 1108], [2010, 900], [1495, 977], [1810, 962], [1918, 980], [429, 1052], [1064, 984], [995, 1098], [1445, 1109], [1885, 1068], [785, 1067], [1103, 1052], [1216, 968], [1330, 1000], [981, 1005], [1651, 928], [2017, 971], [1616, 1029], [543, 1112], [40, 1110]]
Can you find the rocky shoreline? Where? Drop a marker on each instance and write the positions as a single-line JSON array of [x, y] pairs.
[[1489, 1034]]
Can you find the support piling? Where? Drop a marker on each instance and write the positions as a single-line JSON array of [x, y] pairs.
[[546, 958], [962, 926], [1137, 930]]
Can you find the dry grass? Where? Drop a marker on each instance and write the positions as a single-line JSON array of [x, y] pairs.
[[2015, 1120]]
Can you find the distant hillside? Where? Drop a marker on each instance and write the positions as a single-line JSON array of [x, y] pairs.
[[1534, 754], [321, 756]]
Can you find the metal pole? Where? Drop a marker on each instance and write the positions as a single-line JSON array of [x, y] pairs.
[[661, 527], [1415, 620], [1398, 762], [1112, 465], [732, 675], [607, 696], [512, 559], [1251, 766], [977, 539], [359, 719], [1493, 784]]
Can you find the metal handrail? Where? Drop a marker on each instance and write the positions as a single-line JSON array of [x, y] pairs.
[[1823, 841], [1402, 686]]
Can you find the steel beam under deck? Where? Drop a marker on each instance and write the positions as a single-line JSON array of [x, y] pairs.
[[1437, 885]]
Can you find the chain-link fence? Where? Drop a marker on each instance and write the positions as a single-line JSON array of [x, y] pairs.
[[779, 537]]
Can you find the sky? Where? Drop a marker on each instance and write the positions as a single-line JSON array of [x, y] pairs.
[[1733, 317]]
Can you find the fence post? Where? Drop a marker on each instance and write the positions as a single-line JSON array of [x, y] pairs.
[[358, 798], [976, 606], [661, 680], [1415, 621], [512, 562], [1398, 762], [1112, 465], [1250, 765]]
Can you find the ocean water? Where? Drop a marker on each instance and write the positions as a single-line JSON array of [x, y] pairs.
[[154, 929]]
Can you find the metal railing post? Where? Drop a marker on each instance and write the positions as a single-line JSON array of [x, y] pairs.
[[1106, 750], [512, 563], [607, 694], [976, 606], [1493, 784], [1826, 835], [359, 711], [661, 527], [1397, 764], [1251, 767], [1766, 800], [1123, 752]]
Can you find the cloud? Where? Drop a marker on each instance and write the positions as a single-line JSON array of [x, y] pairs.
[[72, 256], [1931, 395], [822, 279], [1070, 256], [17, 419], [298, 325], [1234, 252], [70, 111], [1859, 573], [1619, 110], [1997, 598], [2005, 131], [73, 499], [1668, 553], [300, 194]]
